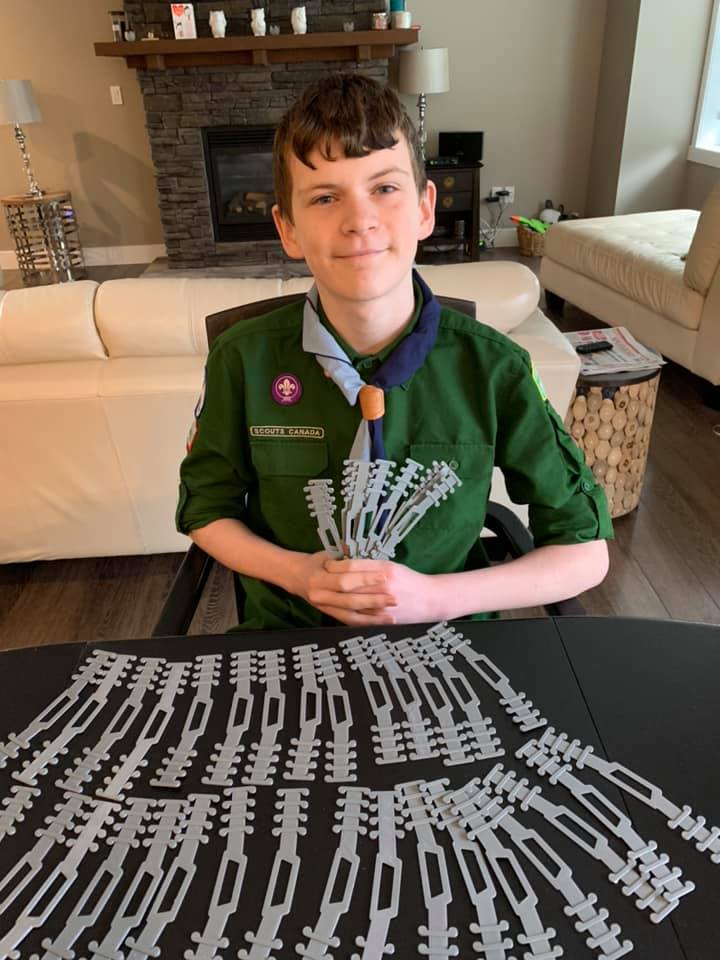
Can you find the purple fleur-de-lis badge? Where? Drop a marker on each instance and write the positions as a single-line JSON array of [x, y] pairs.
[[286, 389]]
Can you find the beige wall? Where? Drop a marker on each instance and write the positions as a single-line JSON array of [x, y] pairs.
[[616, 69], [525, 72], [652, 62], [98, 151], [669, 56]]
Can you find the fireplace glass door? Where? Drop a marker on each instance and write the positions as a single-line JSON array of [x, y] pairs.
[[239, 168]]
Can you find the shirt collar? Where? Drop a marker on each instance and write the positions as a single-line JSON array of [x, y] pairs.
[[382, 355]]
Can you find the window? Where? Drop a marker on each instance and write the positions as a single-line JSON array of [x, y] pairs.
[[705, 147]]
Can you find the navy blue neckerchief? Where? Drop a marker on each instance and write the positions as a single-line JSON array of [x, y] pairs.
[[407, 357]]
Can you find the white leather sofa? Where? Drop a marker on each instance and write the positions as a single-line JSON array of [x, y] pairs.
[[658, 274], [98, 384]]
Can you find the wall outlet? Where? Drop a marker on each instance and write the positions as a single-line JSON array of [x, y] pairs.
[[116, 96], [504, 198]]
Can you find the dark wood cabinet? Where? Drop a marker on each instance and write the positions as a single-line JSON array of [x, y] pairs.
[[457, 212]]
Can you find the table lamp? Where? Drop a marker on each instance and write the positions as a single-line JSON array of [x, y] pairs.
[[422, 72], [17, 105]]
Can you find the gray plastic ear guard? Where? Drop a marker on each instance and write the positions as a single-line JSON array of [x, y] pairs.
[[290, 818], [176, 763], [160, 837], [480, 823], [417, 729], [641, 854], [106, 879], [477, 811], [340, 765], [165, 908], [387, 735], [54, 887], [493, 944], [479, 731], [636, 876], [431, 860], [263, 756], [692, 827], [351, 815], [84, 715], [79, 776], [378, 511], [56, 829], [388, 829], [305, 748], [95, 666], [224, 763], [321, 504], [516, 705], [13, 807], [437, 486], [237, 826], [131, 764]]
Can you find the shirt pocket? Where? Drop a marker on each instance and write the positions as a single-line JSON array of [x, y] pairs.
[[283, 468], [465, 507], [289, 458]]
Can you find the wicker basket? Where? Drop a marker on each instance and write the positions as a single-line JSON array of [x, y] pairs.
[[532, 244]]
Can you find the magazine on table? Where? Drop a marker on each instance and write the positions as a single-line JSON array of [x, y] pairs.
[[626, 356]]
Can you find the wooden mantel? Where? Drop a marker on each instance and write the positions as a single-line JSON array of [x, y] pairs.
[[355, 45]]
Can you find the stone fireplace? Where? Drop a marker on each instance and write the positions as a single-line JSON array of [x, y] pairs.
[[210, 129]]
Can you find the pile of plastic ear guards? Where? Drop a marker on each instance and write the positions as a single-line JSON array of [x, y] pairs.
[[381, 505]]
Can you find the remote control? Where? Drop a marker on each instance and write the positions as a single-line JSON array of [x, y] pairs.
[[594, 347]]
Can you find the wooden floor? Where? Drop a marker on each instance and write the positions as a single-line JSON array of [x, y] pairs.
[[665, 560]]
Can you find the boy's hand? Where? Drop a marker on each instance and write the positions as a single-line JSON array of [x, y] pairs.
[[371, 592], [351, 595]]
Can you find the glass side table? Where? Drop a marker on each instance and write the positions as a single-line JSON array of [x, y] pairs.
[[45, 233]]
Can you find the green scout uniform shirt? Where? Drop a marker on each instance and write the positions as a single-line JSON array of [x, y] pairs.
[[474, 403]]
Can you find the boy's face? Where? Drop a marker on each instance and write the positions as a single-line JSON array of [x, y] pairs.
[[357, 221]]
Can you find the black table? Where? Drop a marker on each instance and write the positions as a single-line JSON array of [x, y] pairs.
[[642, 692]]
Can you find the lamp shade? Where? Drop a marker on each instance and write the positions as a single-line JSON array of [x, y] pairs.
[[424, 71], [17, 102]]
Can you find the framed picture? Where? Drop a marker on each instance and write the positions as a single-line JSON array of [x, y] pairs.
[[183, 17]]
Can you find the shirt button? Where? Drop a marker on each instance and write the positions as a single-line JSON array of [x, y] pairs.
[[587, 486], [453, 464]]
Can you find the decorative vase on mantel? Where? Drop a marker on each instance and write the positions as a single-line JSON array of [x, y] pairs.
[[257, 22], [298, 19], [218, 23]]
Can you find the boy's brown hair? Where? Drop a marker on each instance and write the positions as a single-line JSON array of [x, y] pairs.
[[355, 111]]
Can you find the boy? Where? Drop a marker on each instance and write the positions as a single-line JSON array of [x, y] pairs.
[[281, 403]]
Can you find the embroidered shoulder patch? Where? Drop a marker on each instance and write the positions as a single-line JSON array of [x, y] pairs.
[[201, 399], [192, 433], [538, 383]]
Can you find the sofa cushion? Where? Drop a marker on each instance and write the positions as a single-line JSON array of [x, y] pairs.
[[165, 317], [505, 293], [74, 381], [553, 358], [49, 324], [638, 255], [296, 285], [703, 258]]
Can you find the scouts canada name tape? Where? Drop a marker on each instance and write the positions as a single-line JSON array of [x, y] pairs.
[[315, 433]]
